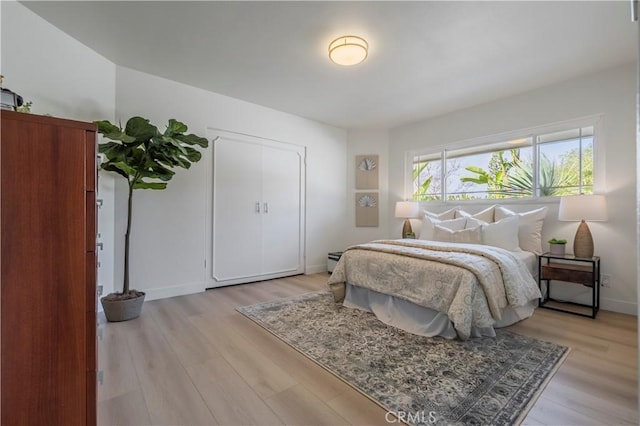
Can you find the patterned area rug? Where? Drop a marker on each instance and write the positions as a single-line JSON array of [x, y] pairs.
[[418, 379]]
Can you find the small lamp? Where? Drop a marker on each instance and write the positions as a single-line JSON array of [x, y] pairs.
[[582, 208], [407, 210]]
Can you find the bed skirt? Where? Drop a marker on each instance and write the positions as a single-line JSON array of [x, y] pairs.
[[420, 320]]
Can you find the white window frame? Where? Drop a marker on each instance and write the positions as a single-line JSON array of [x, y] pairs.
[[599, 182]]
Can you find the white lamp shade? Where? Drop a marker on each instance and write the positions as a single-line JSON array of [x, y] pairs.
[[583, 207], [407, 209]]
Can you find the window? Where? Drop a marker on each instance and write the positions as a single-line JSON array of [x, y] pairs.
[[565, 162], [489, 173], [427, 178], [542, 164]]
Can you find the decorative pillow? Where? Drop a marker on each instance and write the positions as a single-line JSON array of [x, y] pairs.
[[503, 233], [446, 215], [428, 224], [473, 223], [486, 215], [530, 228], [470, 236]]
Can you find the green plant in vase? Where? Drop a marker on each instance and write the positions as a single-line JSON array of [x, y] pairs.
[[557, 246], [145, 157]]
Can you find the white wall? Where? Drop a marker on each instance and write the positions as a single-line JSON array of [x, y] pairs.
[[169, 241], [63, 78], [367, 142], [611, 93]]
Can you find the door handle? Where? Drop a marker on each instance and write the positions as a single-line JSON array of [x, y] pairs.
[[266, 207], [257, 206]]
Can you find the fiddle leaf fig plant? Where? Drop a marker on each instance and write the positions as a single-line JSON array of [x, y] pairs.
[[145, 157]]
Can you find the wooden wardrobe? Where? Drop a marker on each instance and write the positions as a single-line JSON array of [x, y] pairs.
[[48, 263]]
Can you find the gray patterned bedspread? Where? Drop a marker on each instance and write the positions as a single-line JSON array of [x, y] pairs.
[[471, 283]]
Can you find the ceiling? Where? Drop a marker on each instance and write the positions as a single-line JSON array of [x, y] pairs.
[[425, 58]]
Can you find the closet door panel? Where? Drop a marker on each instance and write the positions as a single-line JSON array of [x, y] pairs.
[[237, 209], [281, 218]]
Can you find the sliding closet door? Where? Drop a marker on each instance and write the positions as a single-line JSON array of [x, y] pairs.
[[281, 221], [237, 205]]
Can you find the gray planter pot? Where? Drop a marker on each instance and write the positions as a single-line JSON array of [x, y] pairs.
[[557, 249], [122, 310]]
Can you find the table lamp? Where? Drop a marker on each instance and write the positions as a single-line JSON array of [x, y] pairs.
[[582, 208], [407, 210]]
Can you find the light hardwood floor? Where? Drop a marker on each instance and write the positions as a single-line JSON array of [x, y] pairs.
[[194, 360]]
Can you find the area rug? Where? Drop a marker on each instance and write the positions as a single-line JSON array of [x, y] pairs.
[[419, 380]]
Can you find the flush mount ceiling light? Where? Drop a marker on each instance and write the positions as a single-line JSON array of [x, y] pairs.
[[348, 50]]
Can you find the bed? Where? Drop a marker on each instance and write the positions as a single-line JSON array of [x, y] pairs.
[[430, 287]]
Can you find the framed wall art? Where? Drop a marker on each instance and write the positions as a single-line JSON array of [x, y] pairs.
[[366, 209], [366, 172]]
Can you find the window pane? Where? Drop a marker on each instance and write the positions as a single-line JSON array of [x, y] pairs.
[[500, 174], [565, 166], [498, 169], [426, 179]]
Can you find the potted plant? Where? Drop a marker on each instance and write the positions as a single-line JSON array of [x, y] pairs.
[[557, 246], [145, 158]]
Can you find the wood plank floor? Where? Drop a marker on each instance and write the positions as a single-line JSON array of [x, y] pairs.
[[193, 360]]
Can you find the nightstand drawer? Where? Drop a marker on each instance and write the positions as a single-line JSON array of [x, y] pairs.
[[580, 274]]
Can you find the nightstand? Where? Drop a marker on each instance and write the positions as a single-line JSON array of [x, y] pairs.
[[568, 268], [332, 260]]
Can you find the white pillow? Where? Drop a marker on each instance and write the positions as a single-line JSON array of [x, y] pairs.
[[473, 223], [503, 233], [470, 236], [428, 224], [486, 215], [530, 228], [446, 215]]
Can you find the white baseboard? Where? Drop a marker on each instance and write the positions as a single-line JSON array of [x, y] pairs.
[[606, 304], [619, 306], [178, 290], [315, 269]]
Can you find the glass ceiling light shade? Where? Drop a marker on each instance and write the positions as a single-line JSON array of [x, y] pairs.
[[348, 50]]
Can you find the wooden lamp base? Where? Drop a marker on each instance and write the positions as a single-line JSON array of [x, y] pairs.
[[406, 229], [583, 241]]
